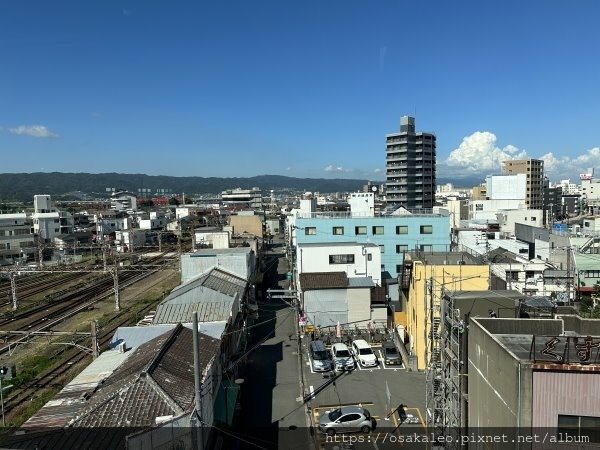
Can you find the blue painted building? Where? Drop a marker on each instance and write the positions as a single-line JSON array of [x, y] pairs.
[[395, 234]]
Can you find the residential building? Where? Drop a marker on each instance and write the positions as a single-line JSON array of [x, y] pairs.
[[410, 167], [354, 259], [534, 171], [590, 191], [424, 279], [552, 202], [121, 200], [331, 298], [243, 198], [16, 238], [395, 235], [142, 390]]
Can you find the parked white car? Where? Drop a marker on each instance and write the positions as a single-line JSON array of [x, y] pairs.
[[364, 353]]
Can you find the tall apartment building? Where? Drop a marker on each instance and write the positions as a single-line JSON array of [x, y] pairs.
[[534, 171], [410, 167]]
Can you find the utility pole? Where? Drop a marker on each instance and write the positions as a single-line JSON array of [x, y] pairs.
[[115, 275], [569, 274], [197, 380], [13, 287]]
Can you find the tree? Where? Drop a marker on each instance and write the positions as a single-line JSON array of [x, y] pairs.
[[174, 201]]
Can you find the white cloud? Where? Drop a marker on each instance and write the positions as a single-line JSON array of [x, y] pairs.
[[331, 168], [571, 166], [37, 131], [479, 152]]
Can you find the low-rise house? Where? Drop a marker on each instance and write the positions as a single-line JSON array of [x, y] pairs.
[[142, 389]]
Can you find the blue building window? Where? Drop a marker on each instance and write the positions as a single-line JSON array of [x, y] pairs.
[[310, 231], [360, 230], [338, 231], [426, 229], [378, 230], [402, 229]]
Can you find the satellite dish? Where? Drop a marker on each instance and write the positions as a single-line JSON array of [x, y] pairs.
[[374, 188]]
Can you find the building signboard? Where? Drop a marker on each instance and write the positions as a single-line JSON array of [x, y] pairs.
[[566, 349]]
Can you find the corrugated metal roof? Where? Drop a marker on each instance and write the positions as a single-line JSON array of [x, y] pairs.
[[212, 295], [360, 282], [207, 312], [136, 336]]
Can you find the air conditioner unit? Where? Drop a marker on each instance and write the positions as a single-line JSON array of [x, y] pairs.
[[122, 347]]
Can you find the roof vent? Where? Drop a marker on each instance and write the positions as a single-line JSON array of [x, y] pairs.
[[122, 347]]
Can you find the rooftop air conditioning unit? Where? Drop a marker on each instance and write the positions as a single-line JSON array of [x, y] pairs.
[[122, 347]]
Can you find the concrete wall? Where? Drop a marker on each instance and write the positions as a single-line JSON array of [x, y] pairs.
[[247, 225], [324, 308], [494, 377]]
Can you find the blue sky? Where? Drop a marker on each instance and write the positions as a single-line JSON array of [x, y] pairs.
[[303, 89]]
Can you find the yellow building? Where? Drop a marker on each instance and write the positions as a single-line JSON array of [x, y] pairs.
[[430, 274]]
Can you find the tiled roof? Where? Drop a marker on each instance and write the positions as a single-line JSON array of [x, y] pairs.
[[323, 280], [157, 380]]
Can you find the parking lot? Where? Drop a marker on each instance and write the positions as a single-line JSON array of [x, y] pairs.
[[380, 389]]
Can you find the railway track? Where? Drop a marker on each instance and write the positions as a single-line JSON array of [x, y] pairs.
[[72, 356]]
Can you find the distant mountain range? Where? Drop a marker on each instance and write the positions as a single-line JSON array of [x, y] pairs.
[[23, 186]]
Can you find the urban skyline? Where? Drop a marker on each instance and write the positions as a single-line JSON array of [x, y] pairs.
[[305, 90]]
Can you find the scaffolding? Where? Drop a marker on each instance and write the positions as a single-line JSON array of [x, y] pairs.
[[434, 392], [446, 375]]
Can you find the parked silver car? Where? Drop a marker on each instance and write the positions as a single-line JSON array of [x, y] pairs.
[[346, 419], [391, 355]]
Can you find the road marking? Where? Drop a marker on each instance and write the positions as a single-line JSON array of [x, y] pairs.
[[312, 392]]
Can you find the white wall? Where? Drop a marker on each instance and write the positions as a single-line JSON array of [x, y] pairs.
[[362, 204], [218, 239], [508, 219], [313, 258], [507, 187]]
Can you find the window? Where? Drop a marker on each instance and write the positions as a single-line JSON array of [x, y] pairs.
[[360, 230], [341, 259], [378, 230], [383, 267], [310, 231], [426, 229], [426, 248], [533, 219], [382, 249], [478, 206], [399, 268], [579, 428], [369, 256], [402, 229], [401, 248], [338, 231]]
